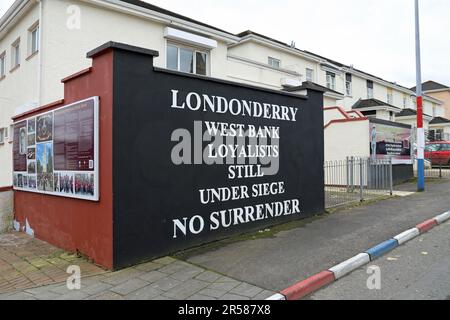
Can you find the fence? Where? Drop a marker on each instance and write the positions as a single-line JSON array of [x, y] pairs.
[[437, 166], [356, 179]]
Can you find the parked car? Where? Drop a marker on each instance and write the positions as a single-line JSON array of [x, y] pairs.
[[438, 153]]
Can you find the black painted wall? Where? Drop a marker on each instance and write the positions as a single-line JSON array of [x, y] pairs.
[[402, 173], [150, 191]]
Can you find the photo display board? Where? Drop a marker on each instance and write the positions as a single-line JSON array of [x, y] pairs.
[[390, 140], [56, 152]]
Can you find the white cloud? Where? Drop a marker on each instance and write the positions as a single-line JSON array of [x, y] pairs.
[[376, 36]]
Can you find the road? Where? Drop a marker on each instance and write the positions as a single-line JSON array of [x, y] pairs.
[[293, 254], [418, 270]]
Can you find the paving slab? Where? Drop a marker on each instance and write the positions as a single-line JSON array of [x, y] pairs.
[[27, 262], [180, 280]]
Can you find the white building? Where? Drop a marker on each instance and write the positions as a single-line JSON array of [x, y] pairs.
[[44, 41]]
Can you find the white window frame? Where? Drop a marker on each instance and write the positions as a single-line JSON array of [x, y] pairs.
[[195, 50], [405, 102], [348, 88], [15, 54], [390, 98], [311, 77], [2, 135], [331, 81], [3, 64], [369, 93], [273, 62], [33, 44]]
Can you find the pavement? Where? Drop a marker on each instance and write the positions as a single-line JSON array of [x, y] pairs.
[[162, 279], [291, 255], [26, 262], [254, 266], [417, 270]]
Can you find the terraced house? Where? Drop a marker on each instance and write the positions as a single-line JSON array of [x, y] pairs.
[[44, 41]]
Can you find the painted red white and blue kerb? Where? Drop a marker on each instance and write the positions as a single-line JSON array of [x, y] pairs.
[[324, 278]]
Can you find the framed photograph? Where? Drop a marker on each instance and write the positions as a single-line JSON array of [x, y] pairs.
[[31, 153], [31, 139], [32, 125], [32, 182], [23, 139], [44, 157], [44, 128], [31, 167]]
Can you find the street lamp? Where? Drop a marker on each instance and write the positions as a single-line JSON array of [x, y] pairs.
[[420, 130]]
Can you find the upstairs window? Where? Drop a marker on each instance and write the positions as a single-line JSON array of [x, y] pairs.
[[185, 59], [34, 39], [331, 80], [2, 65], [2, 135], [15, 54], [405, 101], [348, 84], [274, 63], [369, 89], [309, 75], [390, 96]]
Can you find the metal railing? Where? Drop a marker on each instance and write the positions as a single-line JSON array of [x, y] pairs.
[[356, 180], [437, 166]]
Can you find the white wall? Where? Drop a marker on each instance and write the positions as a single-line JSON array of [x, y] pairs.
[[259, 72], [67, 48], [18, 88], [344, 139], [332, 102], [331, 114], [63, 52], [412, 121]]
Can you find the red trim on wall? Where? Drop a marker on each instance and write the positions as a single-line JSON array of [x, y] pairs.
[[339, 109], [4, 189], [345, 120], [357, 112], [29, 113], [76, 75]]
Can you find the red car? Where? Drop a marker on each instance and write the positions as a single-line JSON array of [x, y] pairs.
[[438, 152]]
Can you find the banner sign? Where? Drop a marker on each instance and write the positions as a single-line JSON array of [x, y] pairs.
[[56, 152], [390, 140]]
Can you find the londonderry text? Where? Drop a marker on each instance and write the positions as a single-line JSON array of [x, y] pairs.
[[236, 107]]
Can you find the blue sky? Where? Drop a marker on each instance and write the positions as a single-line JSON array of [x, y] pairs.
[[376, 36]]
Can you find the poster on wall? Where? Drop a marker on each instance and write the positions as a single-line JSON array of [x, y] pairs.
[[56, 152], [390, 140]]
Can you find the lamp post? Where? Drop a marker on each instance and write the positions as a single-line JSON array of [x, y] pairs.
[[420, 130]]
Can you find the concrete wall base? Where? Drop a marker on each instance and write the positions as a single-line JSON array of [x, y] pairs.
[[6, 210]]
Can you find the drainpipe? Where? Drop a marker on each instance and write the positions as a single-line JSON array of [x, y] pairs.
[[39, 76]]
